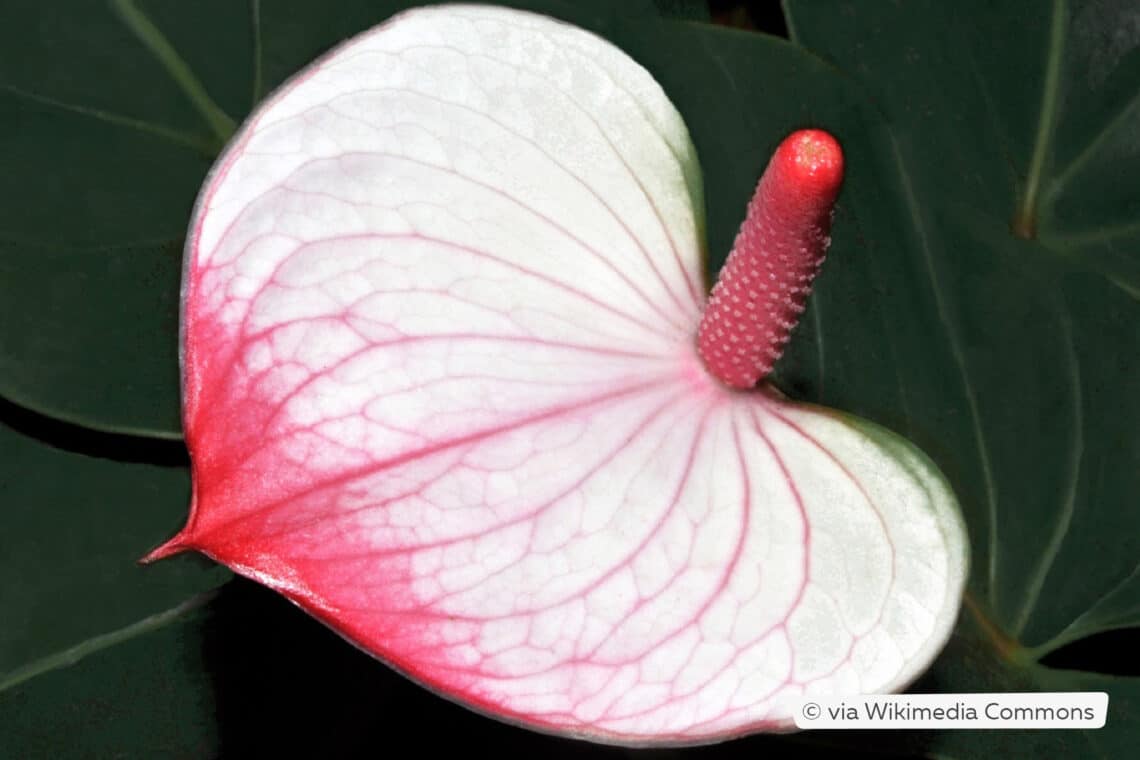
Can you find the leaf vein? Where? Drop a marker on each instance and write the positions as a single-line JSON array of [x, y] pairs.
[[151, 37], [1068, 506], [175, 136], [72, 655], [959, 362]]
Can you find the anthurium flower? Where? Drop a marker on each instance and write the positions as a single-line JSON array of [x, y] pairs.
[[452, 386]]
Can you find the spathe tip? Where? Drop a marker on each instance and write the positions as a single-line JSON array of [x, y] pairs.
[[176, 545]]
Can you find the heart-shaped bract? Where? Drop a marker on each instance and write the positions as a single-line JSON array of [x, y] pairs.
[[442, 390]]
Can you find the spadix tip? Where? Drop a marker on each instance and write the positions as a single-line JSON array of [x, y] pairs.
[[813, 156]]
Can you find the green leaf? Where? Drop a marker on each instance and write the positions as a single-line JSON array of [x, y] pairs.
[[103, 151], [1037, 342], [147, 697], [988, 308], [110, 116], [74, 527]]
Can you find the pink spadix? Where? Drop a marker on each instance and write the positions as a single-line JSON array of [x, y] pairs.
[[767, 278], [442, 389]]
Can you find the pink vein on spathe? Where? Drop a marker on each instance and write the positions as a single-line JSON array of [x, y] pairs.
[[511, 479]]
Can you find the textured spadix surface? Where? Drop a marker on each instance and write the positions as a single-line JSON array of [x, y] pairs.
[[442, 390]]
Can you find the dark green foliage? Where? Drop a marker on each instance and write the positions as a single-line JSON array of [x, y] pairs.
[[980, 298]]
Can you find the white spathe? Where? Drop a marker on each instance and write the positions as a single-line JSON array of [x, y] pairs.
[[442, 390]]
